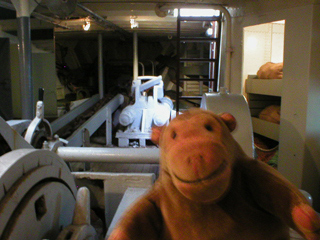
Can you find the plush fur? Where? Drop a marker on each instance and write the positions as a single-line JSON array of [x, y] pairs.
[[209, 189], [271, 114], [271, 70]]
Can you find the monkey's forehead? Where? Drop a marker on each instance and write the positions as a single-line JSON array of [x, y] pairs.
[[195, 113]]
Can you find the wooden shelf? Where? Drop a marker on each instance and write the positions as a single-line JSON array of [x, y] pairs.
[[265, 128]]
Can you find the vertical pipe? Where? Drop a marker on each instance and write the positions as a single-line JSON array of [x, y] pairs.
[[135, 56], [100, 66], [218, 54], [26, 85], [227, 80], [142, 68], [178, 63], [212, 66], [109, 127]]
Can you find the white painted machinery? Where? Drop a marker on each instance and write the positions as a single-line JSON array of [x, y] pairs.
[[150, 108], [39, 198]]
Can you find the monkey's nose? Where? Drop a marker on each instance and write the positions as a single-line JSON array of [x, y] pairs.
[[197, 164], [196, 159]]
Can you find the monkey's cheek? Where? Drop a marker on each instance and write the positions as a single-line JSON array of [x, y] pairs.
[[206, 191]]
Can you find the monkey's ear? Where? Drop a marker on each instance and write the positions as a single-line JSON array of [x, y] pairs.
[[229, 120], [155, 135]]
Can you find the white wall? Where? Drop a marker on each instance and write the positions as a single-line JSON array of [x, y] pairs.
[[299, 152], [262, 43]]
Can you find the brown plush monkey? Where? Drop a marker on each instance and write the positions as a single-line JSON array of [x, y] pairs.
[[209, 189]]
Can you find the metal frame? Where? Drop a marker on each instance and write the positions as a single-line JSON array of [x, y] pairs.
[[91, 125], [69, 116], [12, 137]]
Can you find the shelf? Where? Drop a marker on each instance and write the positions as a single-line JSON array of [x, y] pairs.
[[265, 128], [272, 87]]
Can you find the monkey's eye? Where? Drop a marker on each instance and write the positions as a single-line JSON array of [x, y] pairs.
[[208, 127], [173, 134]]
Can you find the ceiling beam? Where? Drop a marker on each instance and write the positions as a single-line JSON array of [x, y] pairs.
[[103, 22]]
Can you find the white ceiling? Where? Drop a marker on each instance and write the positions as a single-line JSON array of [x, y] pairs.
[[119, 12]]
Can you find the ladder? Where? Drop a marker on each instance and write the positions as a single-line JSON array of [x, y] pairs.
[[207, 61]]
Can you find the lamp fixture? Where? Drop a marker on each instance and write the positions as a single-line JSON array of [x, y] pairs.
[[87, 24], [133, 22], [209, 31]]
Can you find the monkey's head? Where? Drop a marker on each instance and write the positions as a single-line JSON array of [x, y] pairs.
[[198, 153]]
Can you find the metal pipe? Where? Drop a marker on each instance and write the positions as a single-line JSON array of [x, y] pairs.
[[26, 84], [135, 56], [152, 82], [142, 68], [23, 11], [100, 65], [109, 155], [229, 49]]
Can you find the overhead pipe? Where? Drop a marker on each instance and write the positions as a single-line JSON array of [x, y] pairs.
[[109, 155], [103, 22], [164, 9]]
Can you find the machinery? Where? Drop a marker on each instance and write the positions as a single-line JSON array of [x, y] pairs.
[[38, 189], [150, 108], [40, 198], [37, 186]]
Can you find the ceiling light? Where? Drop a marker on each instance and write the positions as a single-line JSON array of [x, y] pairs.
[[87, 25], [196, 12], [133, 22], [209, 31]]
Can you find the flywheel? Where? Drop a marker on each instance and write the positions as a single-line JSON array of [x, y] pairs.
[[37, 195]]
